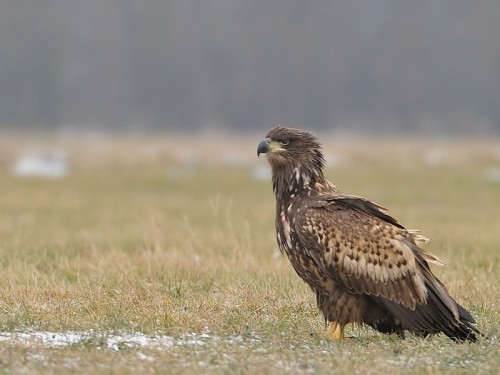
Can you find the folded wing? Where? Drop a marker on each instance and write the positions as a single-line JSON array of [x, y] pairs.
[[355, 243]]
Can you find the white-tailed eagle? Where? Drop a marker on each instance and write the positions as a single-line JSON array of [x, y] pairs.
[[363, 265]]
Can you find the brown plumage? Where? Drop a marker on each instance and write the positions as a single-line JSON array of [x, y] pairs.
[[363, 265]]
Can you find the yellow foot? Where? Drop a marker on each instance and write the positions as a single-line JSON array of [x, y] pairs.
[[335, 331]]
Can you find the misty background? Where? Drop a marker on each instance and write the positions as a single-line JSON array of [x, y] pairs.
[[370, 67]]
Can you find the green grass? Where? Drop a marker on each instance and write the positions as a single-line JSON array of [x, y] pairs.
[[121, 246]]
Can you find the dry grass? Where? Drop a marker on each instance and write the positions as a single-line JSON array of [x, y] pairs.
[[174, 236]]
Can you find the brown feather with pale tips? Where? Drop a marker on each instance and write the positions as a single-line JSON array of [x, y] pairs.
[[363, 265]]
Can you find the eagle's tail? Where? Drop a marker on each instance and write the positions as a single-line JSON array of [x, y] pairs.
[[440, 314], [467, 332], [463, 330], [429, 319], [443, 314]]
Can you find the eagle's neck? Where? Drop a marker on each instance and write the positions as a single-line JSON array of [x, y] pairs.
[[299, 181], [291, 187]]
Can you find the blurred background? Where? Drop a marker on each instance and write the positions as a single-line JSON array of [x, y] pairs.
[[132, 198], [347, 67]]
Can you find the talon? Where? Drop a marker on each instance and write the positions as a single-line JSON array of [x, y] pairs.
[[335, 331]]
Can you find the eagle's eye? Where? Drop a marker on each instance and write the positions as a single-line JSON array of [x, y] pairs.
[[284, 142]]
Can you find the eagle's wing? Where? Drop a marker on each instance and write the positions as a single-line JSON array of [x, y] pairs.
[[362, 248], [366, 251]]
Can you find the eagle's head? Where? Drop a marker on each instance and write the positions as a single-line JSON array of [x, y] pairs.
[[288, 148]]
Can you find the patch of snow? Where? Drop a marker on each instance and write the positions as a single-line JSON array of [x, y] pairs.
[[61, 339], [144, 357], [38, 357], [492, 174], [193, 339], [46, 163], [118, 342]]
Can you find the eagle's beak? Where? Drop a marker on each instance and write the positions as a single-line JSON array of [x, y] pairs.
[[263, 146], [266, 145]]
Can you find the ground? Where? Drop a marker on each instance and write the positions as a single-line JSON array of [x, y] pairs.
[[158, 254]]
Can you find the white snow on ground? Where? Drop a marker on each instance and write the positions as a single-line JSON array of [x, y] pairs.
[[116, 342], [44, 163], [492, 175]]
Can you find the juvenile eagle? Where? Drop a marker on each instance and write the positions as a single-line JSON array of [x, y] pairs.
[[363, 265]]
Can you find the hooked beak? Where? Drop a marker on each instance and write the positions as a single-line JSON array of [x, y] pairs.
[[263, 146], [268, 146]]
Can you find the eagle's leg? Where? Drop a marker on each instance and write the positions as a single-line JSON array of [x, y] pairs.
[[335, 331]]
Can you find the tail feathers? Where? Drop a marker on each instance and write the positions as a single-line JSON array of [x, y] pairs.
[[434, 317], [464, 315], [467, 321], [464, 332]]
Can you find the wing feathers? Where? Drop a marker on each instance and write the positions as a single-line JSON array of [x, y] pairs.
[[368, 207], [432, 317], [361, 267], [431, 258], [370, 257], [367, 252]]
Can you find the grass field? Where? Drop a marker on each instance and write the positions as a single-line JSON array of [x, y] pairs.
[[159, 255]]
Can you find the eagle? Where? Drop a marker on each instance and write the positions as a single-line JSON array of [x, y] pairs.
[[363, 266]]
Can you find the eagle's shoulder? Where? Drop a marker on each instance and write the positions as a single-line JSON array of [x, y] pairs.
[[352, 204]]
